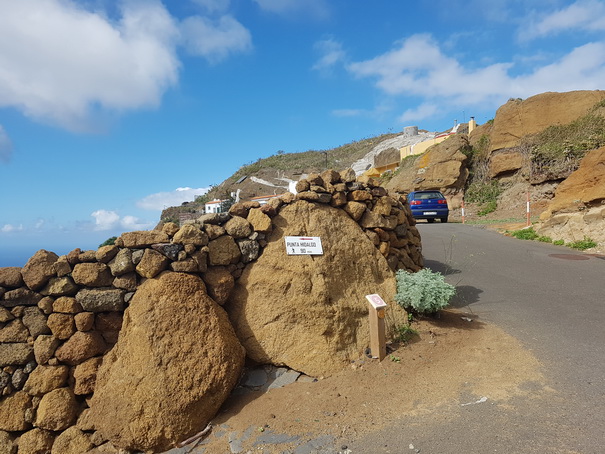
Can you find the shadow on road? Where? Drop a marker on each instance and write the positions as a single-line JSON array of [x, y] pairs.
[[465, 294], [440, 267]]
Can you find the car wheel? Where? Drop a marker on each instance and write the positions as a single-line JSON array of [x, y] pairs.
[[430, 221], [444, 219]]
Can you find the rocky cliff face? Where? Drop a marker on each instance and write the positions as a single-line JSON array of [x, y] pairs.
[[519, 118], [577, 210]]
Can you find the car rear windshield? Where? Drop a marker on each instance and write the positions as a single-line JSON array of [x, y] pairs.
[[428, 195]]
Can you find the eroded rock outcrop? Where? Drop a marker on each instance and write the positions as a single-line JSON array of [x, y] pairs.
[[578, 208], [519, 118]]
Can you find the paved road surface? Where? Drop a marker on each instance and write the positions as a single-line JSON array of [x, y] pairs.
[[550, 298]]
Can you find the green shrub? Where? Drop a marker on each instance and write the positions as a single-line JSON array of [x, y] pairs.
[[483, 192], [488, 208], [582, 245], [424, 292], [559, 242], [404, 333], [545, 239], [109, 241], [525, 234], [558, 149]]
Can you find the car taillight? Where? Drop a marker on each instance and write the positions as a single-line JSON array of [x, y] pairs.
[[442, 202], [415, 202]]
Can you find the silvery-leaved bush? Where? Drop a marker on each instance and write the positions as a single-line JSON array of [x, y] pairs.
[[424, 292]]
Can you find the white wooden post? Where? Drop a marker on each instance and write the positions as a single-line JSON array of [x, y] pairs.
[[378, 345]]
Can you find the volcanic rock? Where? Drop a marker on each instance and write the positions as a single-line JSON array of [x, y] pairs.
[[39, 269], [518, 118], [298, 311], [177, 359]]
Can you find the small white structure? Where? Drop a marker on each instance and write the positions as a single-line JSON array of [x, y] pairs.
[[213, 207]]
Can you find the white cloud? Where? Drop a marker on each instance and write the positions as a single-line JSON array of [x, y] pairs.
[[109, 220], [421, 112], [134, 223], [6, 146], [317, 8], [105, 220], [215, 40], [161, 200], [66, 65], [418, 67], [582, 68], [7, 228], [588, 15], [331, 52], [60, 62]]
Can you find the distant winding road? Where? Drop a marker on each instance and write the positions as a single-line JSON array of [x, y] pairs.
[[552, 299]]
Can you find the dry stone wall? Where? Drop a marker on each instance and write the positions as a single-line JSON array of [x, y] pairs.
[[60, 318]]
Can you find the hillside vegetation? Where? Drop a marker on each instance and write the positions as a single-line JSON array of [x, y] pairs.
[[277, 170]]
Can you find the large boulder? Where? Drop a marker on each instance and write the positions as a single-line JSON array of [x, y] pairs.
[[298, 311], [176, 361], [517, 119]]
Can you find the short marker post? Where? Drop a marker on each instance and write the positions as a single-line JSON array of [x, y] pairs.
[[378, 345], [528, 211], [462, 211]]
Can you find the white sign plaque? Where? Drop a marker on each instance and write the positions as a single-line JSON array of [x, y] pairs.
[[303, 245], [376, 301]]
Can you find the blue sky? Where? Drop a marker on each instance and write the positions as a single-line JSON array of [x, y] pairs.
[[112, 110]]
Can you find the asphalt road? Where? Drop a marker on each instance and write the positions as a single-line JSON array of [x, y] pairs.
[[549, 297]]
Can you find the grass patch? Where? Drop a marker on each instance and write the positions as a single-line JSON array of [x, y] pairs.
[[488, 208], [404, 333], [582, 245], [525, 234], [530, 234]]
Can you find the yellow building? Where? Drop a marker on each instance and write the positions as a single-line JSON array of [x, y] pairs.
[[421, 147]]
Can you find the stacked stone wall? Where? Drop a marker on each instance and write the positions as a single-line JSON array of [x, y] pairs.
[[60, 315]]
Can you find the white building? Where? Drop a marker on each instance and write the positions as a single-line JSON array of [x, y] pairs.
[[213, 207]]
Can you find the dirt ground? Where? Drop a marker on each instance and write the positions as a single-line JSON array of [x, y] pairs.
[[452, 361]]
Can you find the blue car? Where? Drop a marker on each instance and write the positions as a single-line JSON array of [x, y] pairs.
[[429, 205]]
